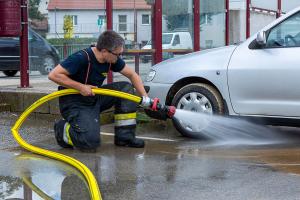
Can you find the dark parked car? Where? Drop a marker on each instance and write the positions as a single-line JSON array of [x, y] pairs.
[[42, 56]]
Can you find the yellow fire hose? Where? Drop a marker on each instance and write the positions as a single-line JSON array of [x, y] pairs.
[[92, 183]]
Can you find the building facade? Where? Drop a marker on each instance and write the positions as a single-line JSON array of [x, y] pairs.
[[132, 18], [90, 20]]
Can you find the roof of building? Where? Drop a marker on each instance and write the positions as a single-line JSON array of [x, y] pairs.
[[96, 4]]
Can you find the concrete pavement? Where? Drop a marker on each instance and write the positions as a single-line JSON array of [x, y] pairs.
[[169, 167]]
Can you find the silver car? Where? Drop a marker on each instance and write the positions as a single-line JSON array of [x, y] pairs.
[[256, 79]]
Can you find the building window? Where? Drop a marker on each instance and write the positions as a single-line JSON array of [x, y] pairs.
[[74, 19], [101, 20], [145, 19], [122, 23]]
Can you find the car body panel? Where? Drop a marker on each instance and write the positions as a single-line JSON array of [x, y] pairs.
[[265, 81], [253, 82], [159, 90], [215, 70]]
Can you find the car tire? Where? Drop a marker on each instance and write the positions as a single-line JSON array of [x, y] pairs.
[[10, 73], [211, 103], [47, 65]]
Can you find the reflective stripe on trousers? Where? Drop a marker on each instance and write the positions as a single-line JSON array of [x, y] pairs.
[[66, 135], [125, 119]]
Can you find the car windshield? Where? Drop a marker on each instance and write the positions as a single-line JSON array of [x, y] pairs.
[[166, 38]]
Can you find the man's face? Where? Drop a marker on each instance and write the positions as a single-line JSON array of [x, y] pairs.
[[112, 56]]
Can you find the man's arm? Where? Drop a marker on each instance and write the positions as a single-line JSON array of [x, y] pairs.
[[135, 80], [60, 76]]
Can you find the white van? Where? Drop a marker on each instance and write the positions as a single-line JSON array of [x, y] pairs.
[[171, 40]]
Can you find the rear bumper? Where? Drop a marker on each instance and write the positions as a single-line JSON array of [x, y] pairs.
[[158, 90]]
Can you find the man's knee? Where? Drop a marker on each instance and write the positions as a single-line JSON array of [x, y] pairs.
[[86, 137], [91, 141]]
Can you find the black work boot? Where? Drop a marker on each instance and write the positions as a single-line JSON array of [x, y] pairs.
[[125, 136], [59, 133]]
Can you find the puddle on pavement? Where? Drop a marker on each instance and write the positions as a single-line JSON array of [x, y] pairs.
[[28, 176]]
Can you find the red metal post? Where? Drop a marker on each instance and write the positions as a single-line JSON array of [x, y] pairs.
[[196, 25], [248, 2], [227, 22], [279, 9], [109, 22], [65, 51], [27, 191], [157, 31], [10, 18], [24, 68], [137, 63]]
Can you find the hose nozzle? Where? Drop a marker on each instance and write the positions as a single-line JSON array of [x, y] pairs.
[[154, 105]]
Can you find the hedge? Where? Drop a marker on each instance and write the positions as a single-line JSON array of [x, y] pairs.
[[60, 41]]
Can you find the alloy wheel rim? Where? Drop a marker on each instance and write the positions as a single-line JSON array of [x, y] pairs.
[[48, 64], [195, 102]]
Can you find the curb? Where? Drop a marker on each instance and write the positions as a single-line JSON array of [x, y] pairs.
[[18, 101]]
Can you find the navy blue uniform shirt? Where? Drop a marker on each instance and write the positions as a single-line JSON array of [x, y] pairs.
[[77, 65]]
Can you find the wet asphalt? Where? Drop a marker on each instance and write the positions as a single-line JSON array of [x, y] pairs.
[[169, 167]]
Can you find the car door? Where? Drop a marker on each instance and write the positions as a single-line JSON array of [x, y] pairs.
[[9, 53], [265, 81]]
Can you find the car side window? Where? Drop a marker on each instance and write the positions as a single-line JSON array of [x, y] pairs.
[[30, 35], [286, 34], [176, 40]]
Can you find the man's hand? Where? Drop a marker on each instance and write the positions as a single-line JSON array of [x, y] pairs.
[[86, 90], [152, 104]]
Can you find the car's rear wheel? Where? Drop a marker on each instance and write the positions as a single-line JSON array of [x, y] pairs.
[[197, 97], [48, 65], [10, 73]]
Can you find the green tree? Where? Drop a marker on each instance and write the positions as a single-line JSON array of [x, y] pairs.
[[68, 26], [13, 184], [34, 12]]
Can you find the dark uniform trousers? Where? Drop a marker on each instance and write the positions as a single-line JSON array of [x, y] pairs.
[[82, 116]]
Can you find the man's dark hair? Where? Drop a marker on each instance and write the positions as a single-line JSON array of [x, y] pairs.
[[109, 40]]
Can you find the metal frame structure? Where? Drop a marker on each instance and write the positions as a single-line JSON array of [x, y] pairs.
[[196, 25], [24, 55], [157, 27], [249, 8], [109, 19]]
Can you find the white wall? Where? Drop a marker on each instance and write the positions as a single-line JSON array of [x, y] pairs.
[[260, 20], [288, 5], [213, 34], [144, 31], [237, 4], [237, 26], [269, 4]]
